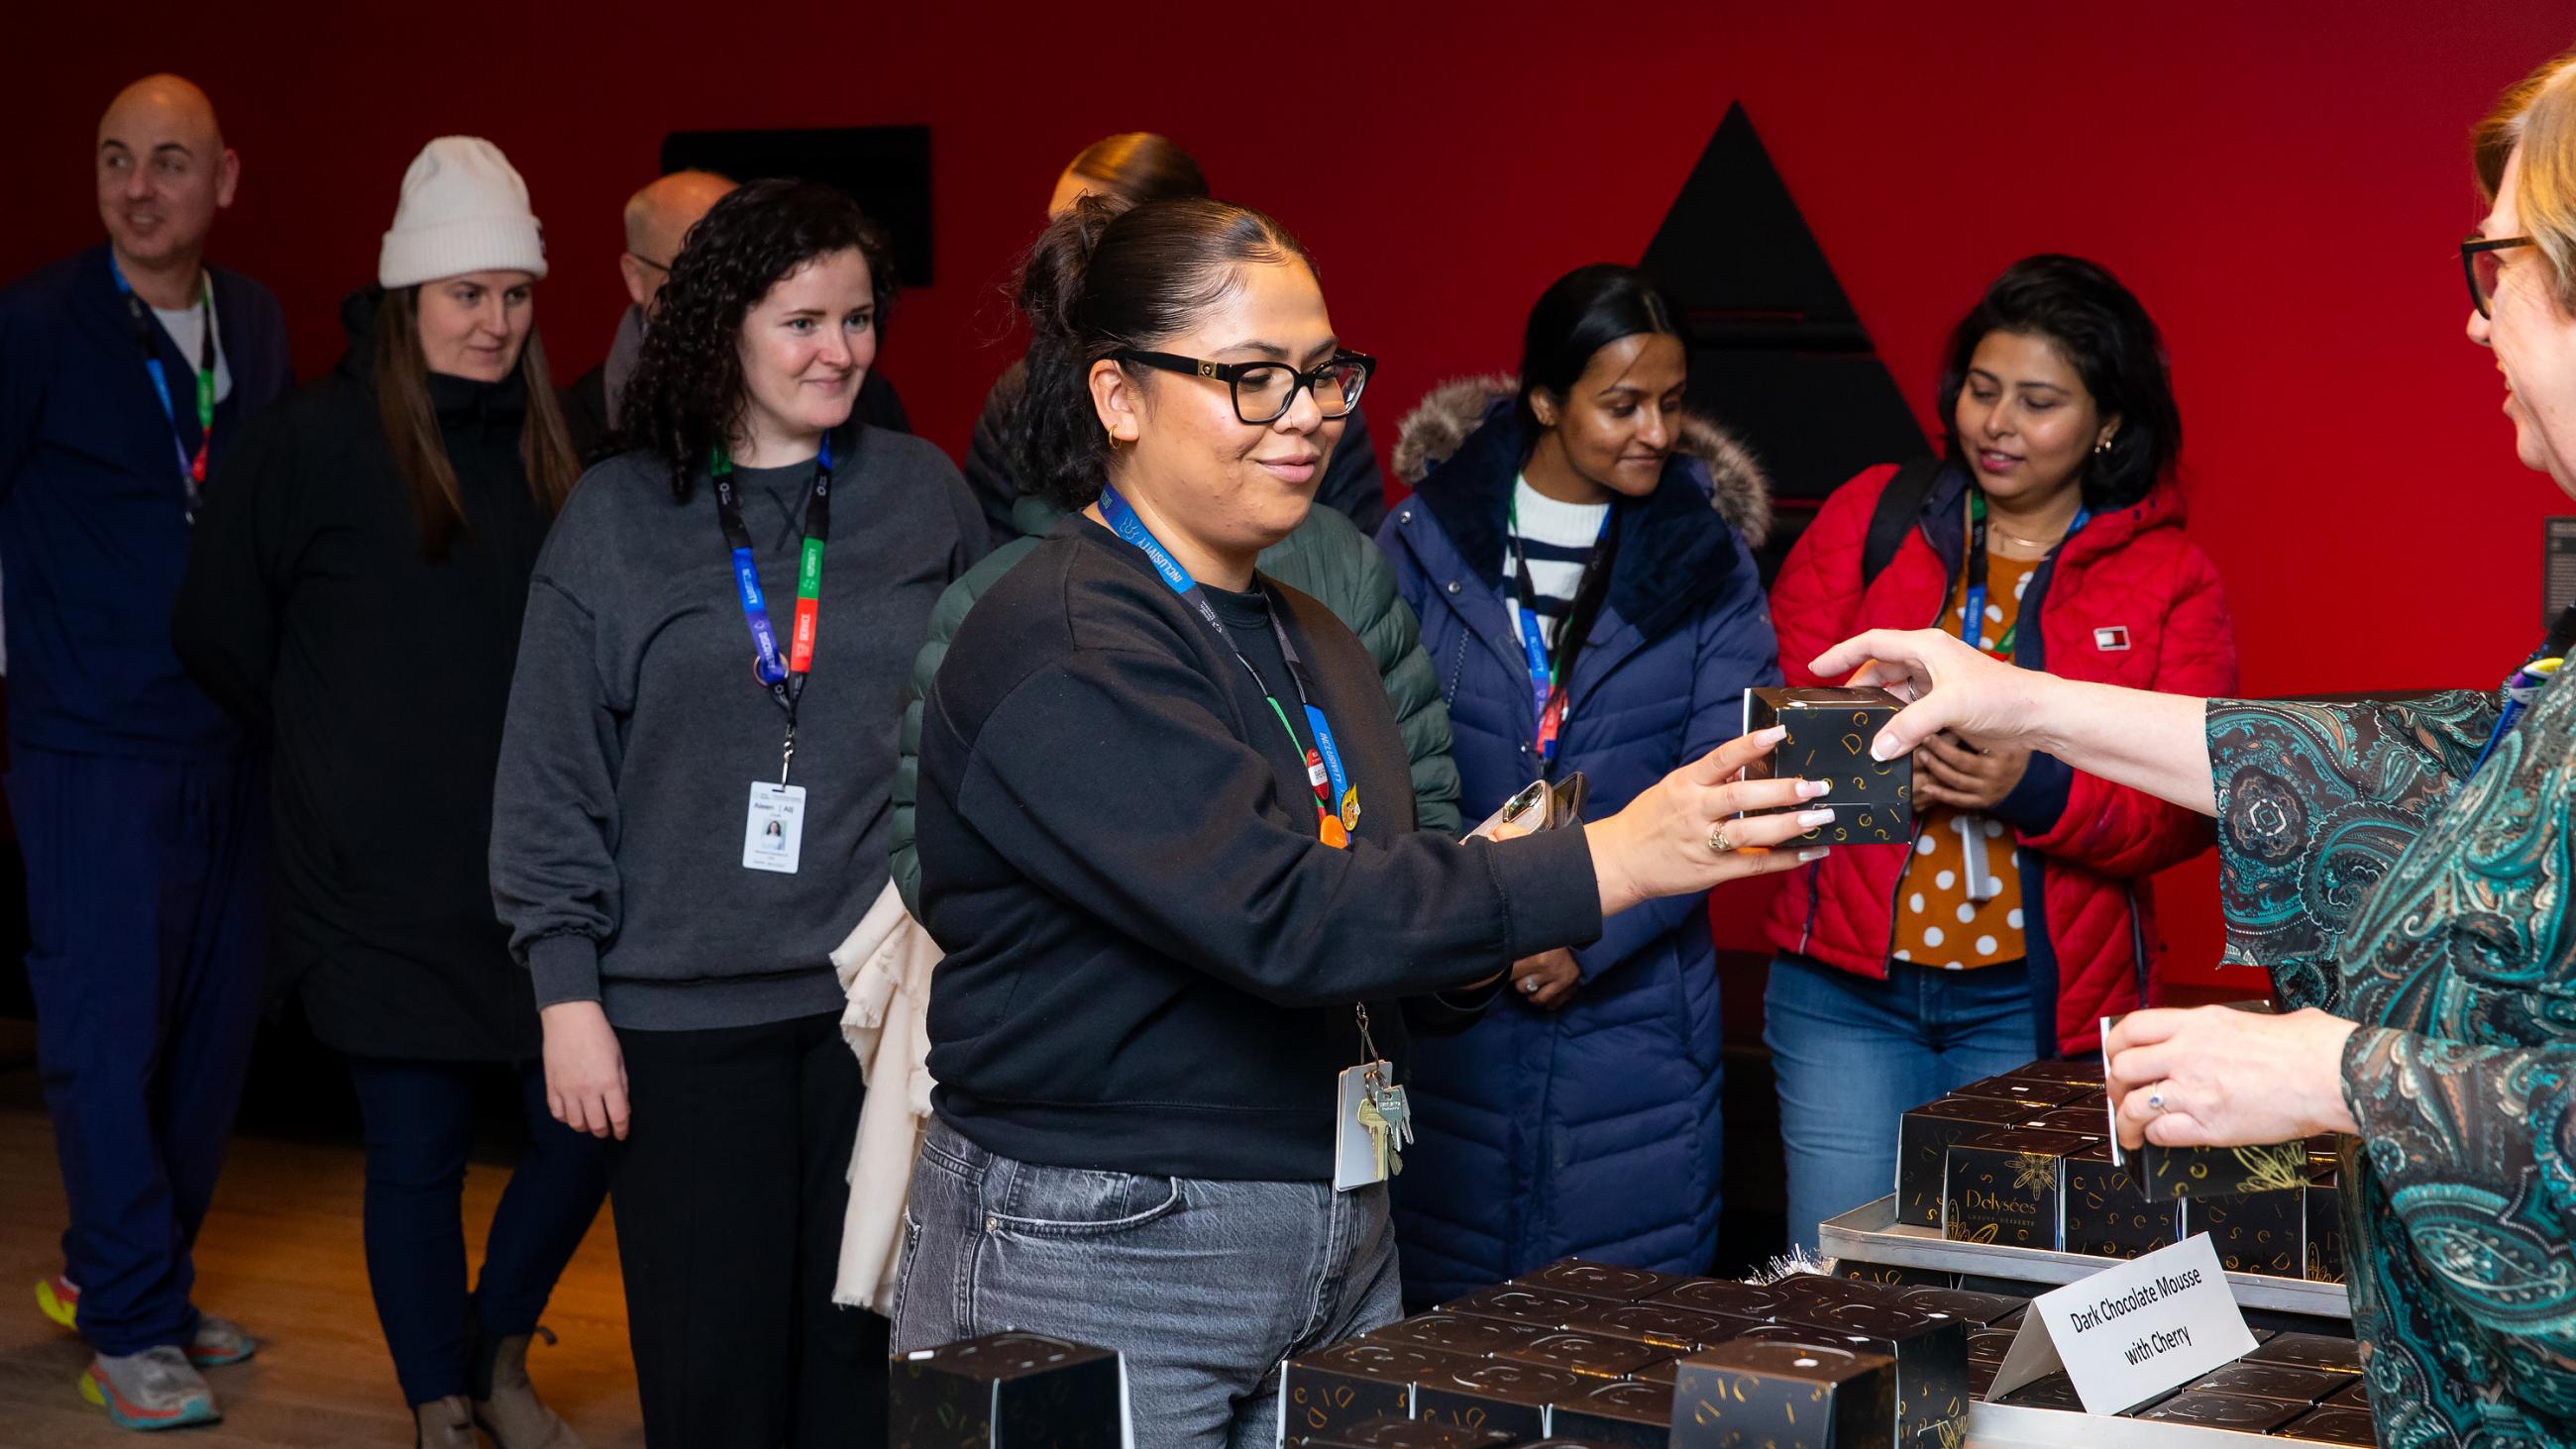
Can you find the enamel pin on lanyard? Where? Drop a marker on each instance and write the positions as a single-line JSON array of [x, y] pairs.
[[773, 830]]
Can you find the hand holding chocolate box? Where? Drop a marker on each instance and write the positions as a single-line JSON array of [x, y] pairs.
[[1829, 735]]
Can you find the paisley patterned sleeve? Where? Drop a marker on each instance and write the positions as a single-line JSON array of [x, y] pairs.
[[2475, 1149], [2315, 802]]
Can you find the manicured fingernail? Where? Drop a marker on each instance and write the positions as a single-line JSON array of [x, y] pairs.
[[1814, 852], [1881, 747], [1815, 817], [1810, 789], [1772, 736]]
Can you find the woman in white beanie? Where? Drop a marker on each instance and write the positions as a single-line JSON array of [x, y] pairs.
[[355, 591]]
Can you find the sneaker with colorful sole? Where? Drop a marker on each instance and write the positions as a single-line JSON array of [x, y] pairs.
[[155, 1389], [217, 1341]]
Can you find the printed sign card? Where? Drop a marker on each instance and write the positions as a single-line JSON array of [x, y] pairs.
[[2132, 1332]]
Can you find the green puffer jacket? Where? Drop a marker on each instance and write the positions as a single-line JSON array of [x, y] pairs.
[[1327, 557]]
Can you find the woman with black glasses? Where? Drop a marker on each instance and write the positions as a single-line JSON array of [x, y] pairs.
[[1168, 844]]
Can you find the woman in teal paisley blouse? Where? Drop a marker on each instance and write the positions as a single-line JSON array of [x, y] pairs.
[[2404, 872]]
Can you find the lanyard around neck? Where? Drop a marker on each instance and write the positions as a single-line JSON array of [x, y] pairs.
[[1546, 673], [1972, 618], [2523, 685], [1336, 802], [783, 678], [192, 470]]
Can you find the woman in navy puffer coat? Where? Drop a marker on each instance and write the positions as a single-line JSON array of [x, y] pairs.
[[1581, 1115]]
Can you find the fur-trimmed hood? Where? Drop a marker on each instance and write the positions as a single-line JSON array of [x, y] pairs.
[[1431, 433]]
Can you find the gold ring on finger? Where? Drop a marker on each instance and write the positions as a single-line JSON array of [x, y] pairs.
[[1719, 844]]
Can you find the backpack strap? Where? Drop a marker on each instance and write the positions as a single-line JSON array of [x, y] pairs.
[[1894, 517]]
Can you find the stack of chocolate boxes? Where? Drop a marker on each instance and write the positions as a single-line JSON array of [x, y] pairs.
[[1586, 1354], [2027, 1160]]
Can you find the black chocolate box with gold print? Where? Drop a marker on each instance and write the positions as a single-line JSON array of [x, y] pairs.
[[2107, 1216], [1829, 735], [1351, 1383], [1497, 1394], [1780, 1395], [1005, 1390], [2264, 1232], [2325, 1254], [1923, 1138], [2008, 1187], [1929, 1349], [1631, 1415]]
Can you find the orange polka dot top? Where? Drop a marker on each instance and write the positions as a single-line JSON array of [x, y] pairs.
[[1937, 924]]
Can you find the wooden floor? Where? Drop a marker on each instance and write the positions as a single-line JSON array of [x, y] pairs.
[[281, 1256]]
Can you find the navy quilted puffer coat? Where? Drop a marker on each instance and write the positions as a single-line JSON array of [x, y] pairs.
[[1594, 1129]]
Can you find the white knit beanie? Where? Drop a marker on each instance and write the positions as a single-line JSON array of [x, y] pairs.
[[463, 209]]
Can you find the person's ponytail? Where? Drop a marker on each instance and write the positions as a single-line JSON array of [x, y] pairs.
[[1060, 448]]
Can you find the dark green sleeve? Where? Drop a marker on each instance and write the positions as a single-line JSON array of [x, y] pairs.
[[903, 858]]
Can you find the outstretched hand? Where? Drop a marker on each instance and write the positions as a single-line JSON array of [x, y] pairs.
[[1948, 686]]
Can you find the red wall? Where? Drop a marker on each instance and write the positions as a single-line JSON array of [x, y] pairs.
[[2283, 184]]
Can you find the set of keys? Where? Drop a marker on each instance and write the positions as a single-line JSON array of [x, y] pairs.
[[1388, 1116]]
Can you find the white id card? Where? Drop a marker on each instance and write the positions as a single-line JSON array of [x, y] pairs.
[[775, 828], [1356, 1158]]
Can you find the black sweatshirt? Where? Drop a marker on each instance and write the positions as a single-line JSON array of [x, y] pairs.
[[1152, 960], [311, 614], [636, 729]]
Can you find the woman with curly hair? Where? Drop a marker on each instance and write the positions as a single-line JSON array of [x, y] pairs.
[[679, 945]]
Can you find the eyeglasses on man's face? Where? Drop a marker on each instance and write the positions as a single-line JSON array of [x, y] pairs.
[[2480, 258], [1265, 391]]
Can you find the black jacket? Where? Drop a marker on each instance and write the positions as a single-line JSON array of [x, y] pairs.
[[311, 615], [1151, 959]]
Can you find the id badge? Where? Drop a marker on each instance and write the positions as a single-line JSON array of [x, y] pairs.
[[774, 832], [1360, 1152]]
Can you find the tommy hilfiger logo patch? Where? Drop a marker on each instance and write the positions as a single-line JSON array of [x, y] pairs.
[[2113, 639]]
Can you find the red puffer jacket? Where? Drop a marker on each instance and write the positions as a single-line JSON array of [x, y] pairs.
[[2129, 600]]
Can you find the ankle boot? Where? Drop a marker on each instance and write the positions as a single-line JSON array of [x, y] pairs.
[[446, 1423], [506, 1405]]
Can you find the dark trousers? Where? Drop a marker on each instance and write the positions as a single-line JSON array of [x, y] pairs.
[[729, 1192], [420, 1118], [147, 909]]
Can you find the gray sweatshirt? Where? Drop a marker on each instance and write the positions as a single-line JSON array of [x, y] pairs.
[[636, 729]]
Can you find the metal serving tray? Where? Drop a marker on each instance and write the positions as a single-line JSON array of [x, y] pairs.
[[1870, 1234], [2016, 1426]]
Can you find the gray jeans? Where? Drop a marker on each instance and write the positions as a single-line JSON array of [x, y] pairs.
[[1205, 1286]]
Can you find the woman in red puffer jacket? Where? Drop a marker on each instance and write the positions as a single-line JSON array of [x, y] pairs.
[[2019, 916]]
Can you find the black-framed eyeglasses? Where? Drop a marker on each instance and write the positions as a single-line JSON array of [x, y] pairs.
[[2478, 258], [1265, 391]]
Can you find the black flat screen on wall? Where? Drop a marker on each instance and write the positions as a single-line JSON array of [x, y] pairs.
[[886, 167]]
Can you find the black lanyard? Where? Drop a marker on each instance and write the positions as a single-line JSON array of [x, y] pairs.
[[783, 678]]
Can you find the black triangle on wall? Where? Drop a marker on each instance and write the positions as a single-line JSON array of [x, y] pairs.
[[1777, 353]]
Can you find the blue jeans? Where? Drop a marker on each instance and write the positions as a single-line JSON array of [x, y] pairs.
[[1205, 1287], [419, 1119], [1852, 1054]]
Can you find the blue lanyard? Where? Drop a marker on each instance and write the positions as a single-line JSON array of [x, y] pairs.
[[1547, 693], [2523, 685], [192, 472], [1338, 813], [1972, 618], [783, 678]]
